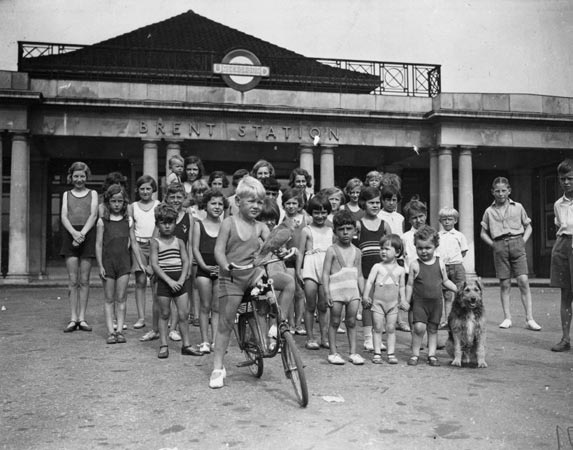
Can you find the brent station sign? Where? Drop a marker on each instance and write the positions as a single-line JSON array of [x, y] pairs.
[[241, 70]]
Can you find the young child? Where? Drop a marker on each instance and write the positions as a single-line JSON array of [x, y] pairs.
[[388, 280], [300, 179], [426, 280], [170, 263], [336, 198], [453, 249], [272, 191], [370, 230], [505, 227], [373, 179], [293, 202], [207, 278], [561, 254], [262, 169], [352, 190], [79, 215], [218, 180], [315, 240], [198, 189], [143, 216], [390, 198], [416, 213], [238, 242], [194, 171], [176, 166], [115, 242], [343, 284]]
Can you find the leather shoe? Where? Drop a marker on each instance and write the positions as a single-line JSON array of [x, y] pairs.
[[189, 350], [83, 325], [562, 346], [72, 326]]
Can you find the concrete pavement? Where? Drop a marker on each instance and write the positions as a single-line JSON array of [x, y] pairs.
[[72, 391]]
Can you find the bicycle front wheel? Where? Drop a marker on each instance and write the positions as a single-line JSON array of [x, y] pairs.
[[250, 345], [294, 369]]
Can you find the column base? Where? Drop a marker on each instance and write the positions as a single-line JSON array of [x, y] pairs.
[[16, 279]]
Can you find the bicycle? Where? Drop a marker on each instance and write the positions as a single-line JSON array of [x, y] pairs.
[[260, 316]]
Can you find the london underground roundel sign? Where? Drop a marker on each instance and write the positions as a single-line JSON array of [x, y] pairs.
[[241, 70]]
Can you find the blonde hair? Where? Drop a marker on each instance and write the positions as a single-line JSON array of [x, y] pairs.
[[176, 158], [250, 186], [449, 212]]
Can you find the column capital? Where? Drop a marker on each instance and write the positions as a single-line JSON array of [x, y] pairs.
[[433, 152], [20, 135], [466, 150], [173, 140], [150, 140], [446, 150], [326, 150]]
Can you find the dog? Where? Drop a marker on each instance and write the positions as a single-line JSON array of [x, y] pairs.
[[467, 336]]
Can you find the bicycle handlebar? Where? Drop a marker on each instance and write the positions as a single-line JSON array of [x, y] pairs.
[[289, 254]]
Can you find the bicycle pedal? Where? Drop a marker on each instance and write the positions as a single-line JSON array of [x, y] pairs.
[[245, 363]]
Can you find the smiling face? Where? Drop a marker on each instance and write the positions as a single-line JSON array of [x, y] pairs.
[[192, 171], [215, 207], [291, 206], [354, 195], [175, 199], [300, 182], [319, 216], [263, 172], [501, 193], [79, 179]]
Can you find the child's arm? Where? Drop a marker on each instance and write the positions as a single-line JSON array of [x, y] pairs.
[[366, 300], [527, 232], [360, 280], [135, 252], [159, 273], [99, 248], [327, 267], [402, 290], [185, 265], [92, 217], [189, 247], [221, 244], [484, 235], [446, 282], [414, 269], [66, 221], [195, 247], [303, 245]]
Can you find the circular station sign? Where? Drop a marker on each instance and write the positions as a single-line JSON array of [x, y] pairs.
[[241, 70]]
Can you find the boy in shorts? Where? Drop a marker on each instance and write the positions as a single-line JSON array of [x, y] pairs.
[[505, 227], [562, 253]]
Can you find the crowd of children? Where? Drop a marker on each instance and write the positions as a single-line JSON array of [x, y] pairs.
[[355, 261]]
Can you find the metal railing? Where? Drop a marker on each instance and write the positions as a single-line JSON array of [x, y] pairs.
[[55, 60]]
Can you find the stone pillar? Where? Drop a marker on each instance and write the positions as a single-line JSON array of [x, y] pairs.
[[466, 207], [19, 207], [446, 179], [326, 166], [521, 182], [150, 160], [306, 156], [173, 148], [434, 189]]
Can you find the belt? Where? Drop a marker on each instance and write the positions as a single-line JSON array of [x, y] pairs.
[[507, 237], [143, 240]]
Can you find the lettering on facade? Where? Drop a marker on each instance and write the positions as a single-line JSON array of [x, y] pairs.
[[270, 133]]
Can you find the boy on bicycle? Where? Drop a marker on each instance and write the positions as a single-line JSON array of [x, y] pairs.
[[239, 241]]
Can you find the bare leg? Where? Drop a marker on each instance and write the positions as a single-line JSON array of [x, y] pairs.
[[205, 288], [72, 265], [182, 303], [227, 311], [351, 311], [310, 291], [335, 311], [84, 286], [121, 292], [523, 284], [108, 306], [391, 320], [432, 341], [140, 286], [163, 305], [377, 324], [504, 291], [417, 336], [322, 307]]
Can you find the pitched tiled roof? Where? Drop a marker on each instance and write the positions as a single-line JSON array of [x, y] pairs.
[[182, 49]]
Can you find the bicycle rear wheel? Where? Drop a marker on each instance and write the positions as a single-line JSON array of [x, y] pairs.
[[294, 369], [249, 345]]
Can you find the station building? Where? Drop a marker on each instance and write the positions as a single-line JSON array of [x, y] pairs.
[[192, 86]]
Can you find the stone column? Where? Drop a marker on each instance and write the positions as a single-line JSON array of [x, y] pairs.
[[306, 156], [466, 207], [326, 166], [150, 160], [434, 189], [446, 179], [19, 207], [173, 148]]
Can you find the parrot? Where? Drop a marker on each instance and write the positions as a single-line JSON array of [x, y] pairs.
[[278, 238]]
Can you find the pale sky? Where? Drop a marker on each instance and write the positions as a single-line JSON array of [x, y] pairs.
[[511, 46]]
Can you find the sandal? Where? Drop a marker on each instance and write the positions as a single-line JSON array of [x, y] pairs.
[[413, 361], [163, 352], [120, 338], [377, 358], [111, 339], [72, 326], [311, 344], [433, 361], [392, 359]]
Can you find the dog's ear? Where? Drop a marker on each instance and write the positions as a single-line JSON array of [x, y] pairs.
[[479, 284]]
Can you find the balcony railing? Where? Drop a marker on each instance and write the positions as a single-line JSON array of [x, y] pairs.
[[59, 61]]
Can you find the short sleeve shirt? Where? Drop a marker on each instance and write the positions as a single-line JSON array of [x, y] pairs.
[[506, 219], [563, 209], [452, 244]]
